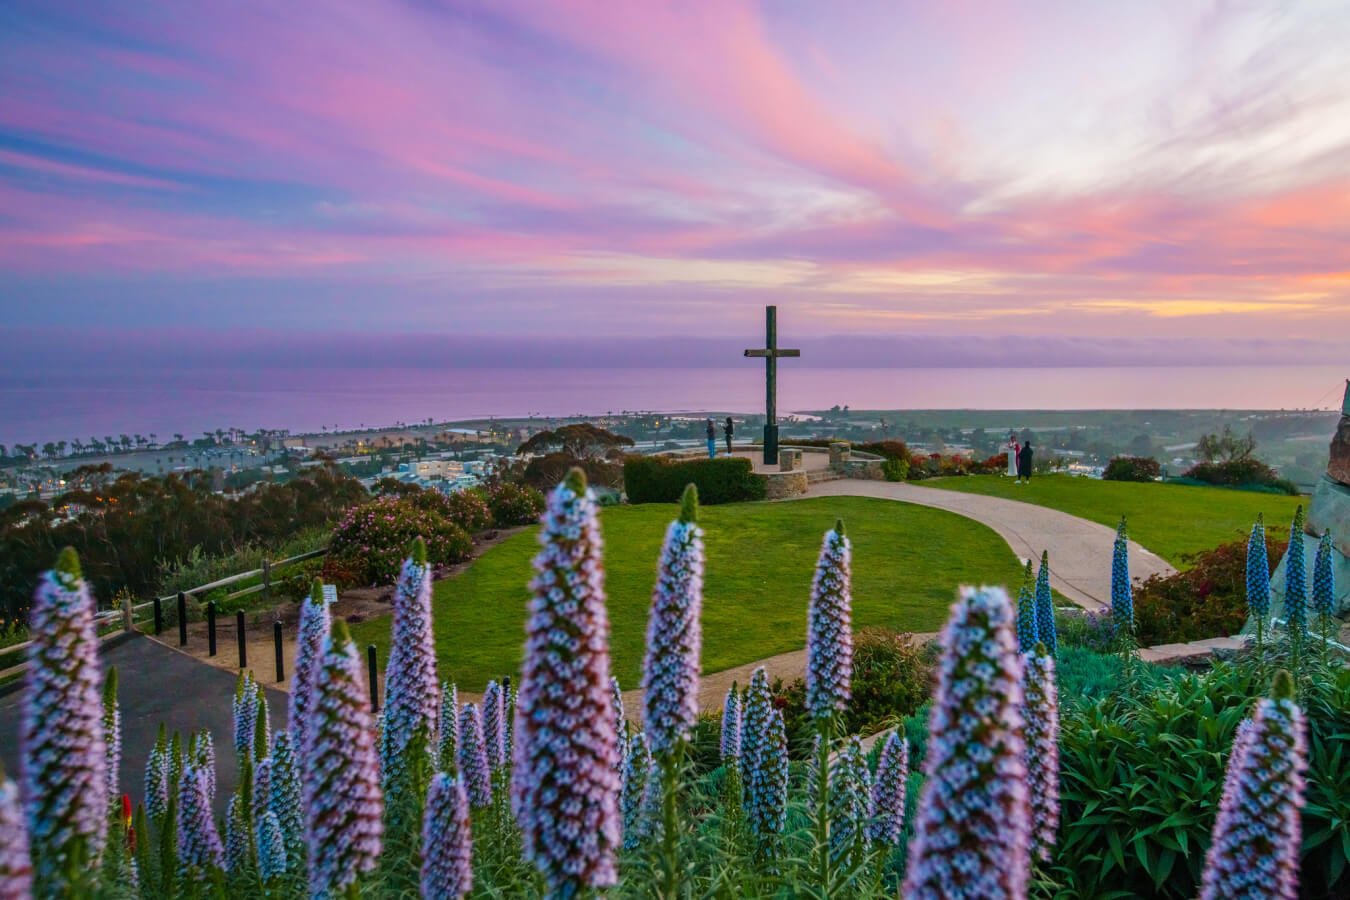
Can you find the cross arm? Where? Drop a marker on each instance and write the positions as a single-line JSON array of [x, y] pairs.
[[775, 353]]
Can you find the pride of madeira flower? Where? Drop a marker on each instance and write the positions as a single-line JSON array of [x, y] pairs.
[[886, 818], [65, 759], [1122, 602], [972, 832], [1296, 580], [670, 669], [829, 630], [731, 727], [446, 843], [1045, 607], [1254, 854], [474, 767], [412, 690], [850, 799], [1026, 611], [1324, 582], [16, 867], [1258, 575], [1042, 740], [564, 779], [340, 779], [315, 623]]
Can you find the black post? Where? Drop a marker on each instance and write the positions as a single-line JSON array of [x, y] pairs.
[[276, 640], [182, 619], [771, 386], [243, 648], [374, 684], [210, 628], [159, 616]]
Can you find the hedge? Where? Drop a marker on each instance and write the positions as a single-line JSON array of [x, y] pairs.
[[660, 479], [1132, 468]]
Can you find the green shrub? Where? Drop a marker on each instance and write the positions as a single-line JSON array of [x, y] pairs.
[[659, 479], [1208, 599], [372, 541], [1232, 472], [514, 504], [1132, 468], [1141, 776], [895, 469]]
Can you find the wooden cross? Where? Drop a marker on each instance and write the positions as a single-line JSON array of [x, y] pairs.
[[771, 352]]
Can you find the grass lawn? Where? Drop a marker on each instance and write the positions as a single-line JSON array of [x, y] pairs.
[[907, 563], [1169, 519]]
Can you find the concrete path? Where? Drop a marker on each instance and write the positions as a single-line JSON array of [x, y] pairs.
[[1080, 551], [157, 684]]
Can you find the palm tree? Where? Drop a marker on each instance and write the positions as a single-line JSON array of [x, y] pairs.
[[125, 441], [3, 451], [153, 438], [49, 450], [61, 448]]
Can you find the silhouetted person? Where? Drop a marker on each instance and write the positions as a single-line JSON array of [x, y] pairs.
[[1024, 463], [727, 431], [712, 440]]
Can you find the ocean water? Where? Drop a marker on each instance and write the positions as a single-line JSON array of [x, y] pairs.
[[190, 402]]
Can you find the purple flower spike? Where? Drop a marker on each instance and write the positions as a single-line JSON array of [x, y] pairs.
[[237, 837], [636, 786], [620, 726], [245, 713], [1042, 740], [1296, 579], [1254, 854], [16, 868], [199, 848], [261, 801], [272, 859], [473, 760], [412, 690], [887, 813], [850, 797], [493, 733], [671, 667], [731, 727], [112, 734], [1258, 571], [1045, 607], [202, 755], [449, 726], [157, 787], [972, 833], [447, 869], [64, 756], [284, 797], [340, 777], [1324, 580], [756, 710], [1026, 611], [829, 630], [766, 784], [564, 786], [315, 623]]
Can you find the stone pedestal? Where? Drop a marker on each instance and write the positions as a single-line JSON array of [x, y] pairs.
[[839, 454]]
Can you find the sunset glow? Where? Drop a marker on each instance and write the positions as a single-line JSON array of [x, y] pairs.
[[532, 167]]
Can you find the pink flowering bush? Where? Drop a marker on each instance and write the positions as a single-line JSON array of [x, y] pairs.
[[514, 504], [371, 540]]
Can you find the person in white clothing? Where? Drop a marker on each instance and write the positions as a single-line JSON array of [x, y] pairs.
[[1013, 449]]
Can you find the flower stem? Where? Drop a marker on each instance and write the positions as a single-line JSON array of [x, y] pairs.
[[670, 821], [823, 805]]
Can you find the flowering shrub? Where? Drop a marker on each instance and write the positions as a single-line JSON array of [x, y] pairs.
[[1207, 600], [468, 509], [514, 504], [371, 540], [1132, 468]]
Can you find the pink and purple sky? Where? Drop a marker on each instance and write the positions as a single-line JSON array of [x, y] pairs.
[[1062, 170]]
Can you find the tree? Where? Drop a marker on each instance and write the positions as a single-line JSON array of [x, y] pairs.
[[580, 441], [1225, 447], [1141, 445], [49, 450]]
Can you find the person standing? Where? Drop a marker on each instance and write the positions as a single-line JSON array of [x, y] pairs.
[[1012, 448], [1024, 463], [727, 431], [712, 440]]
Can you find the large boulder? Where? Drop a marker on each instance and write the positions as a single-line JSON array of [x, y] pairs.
[[1338, 467]]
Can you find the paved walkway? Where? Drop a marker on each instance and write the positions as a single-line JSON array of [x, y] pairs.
[[157, 684], [1080, 551]]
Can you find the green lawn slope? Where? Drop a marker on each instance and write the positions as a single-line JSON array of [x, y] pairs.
[[907, 563], [1172, 520]]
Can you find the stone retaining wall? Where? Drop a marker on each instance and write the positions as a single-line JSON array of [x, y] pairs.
[[781, 485]]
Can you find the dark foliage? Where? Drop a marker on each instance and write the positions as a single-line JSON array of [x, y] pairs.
[[543, 473], [660, 479], [129, 526], [1142, 772], [579, 441], [1209, 599], [1234, 473], [1132, 468]]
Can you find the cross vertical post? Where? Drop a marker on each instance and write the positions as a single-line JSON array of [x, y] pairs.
[[771, 352]]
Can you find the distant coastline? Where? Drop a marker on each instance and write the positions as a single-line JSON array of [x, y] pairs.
[[308, 400]]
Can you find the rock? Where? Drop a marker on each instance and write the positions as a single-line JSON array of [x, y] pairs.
[[1338, 467], [1329, 510]]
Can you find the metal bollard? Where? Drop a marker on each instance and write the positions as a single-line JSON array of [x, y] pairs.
[[374, 683], [182, 619], [159, 616], [210, 628], [276, 640], [243, 647]]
